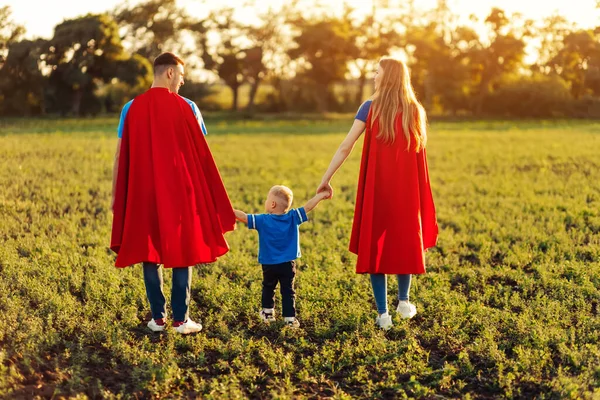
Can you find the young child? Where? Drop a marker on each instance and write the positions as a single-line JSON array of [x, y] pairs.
[[279, 246]]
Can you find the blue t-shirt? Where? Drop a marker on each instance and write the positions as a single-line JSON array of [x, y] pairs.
[[195, 109], [278, 235], [363, 111]]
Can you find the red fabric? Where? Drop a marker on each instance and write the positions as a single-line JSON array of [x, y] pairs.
[[171, 207], [394, 219]]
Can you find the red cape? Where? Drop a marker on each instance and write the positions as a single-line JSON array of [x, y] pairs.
[[171, 207], [394, 219]]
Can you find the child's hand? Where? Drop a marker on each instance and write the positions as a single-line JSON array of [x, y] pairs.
[[324, 195], [241, 216]]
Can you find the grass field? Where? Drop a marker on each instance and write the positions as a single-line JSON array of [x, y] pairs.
[[508, 308]]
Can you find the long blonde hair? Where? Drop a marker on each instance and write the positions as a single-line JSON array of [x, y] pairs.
[[395, 94]]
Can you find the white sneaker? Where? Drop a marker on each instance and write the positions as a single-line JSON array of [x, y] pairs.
[[292, 322], [267, 315], [384, 321], [189, 326], [154, 327], [406, 309]]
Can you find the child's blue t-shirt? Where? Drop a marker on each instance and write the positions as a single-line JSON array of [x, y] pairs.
[[278, 235], [193, 105]]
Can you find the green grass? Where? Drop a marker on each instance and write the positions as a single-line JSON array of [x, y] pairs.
[[508, 308]]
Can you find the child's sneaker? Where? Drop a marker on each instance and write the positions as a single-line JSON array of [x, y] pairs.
[[186, 327], [384, 321], [292, 322], [267, 315], [406, 310], [157, 325]]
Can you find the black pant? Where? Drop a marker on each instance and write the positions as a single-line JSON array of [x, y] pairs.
[[284, 273]]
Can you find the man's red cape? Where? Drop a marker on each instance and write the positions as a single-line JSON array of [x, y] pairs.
[[394, 218], [171, 207]]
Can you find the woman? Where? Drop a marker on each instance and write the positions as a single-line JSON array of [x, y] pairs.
[[394, 219]]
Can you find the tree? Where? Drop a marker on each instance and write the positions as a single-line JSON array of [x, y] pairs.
[[551, 36], [323, 49], [578, 62], [9, 32], [441, 73], [273, 38], [372, 41], [153, 26], [225, 59], [504, 55], [83, 53], [22, 77], [239, 57]]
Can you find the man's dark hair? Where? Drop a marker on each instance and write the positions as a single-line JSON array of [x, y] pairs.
[[166, 60]]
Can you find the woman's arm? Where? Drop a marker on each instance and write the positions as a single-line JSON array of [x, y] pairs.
[[341, 155]]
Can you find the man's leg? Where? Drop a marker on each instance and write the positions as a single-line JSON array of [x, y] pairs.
[[153, 280], [181, 293]]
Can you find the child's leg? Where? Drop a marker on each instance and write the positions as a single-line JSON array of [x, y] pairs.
[[154, 290], [288, 293], [181, 293], [379, 284], [268, 286], [403, 286]]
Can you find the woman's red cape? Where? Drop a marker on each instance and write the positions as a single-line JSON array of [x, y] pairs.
[[170, 207], [394, 219]]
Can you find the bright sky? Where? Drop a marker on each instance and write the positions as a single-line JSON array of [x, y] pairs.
[[39, 19]]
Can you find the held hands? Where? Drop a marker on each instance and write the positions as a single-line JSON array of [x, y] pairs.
[[326, 190]]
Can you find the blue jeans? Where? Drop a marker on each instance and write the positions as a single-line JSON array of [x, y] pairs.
[[379, 284], [284, 273], [180, 291]]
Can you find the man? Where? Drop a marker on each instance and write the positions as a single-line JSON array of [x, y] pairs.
[[169, 203]]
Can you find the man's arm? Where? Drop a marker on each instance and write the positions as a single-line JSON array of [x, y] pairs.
[[241, 216], [115, 173], [312, 203]]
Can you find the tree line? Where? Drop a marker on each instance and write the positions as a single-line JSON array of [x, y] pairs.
[[322, 62]]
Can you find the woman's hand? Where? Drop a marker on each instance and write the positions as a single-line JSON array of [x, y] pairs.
[[326, 187]]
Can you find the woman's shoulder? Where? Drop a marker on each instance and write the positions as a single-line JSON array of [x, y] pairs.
[[366, 104], [363, 111]]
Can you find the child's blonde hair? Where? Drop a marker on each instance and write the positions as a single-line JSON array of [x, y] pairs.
[[284, 195], [395, 94]]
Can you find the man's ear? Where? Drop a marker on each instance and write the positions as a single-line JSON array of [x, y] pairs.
[[170, 72], [273, 204]]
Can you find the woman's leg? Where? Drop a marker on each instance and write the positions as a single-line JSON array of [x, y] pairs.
[[153, 280], [403, 286], [181, 293], [379, 284]]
